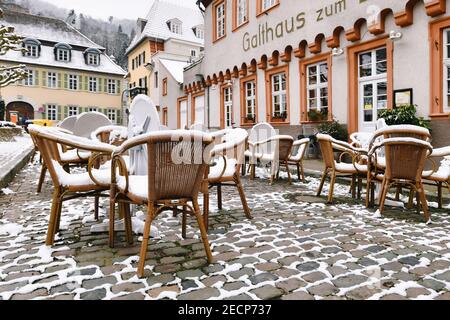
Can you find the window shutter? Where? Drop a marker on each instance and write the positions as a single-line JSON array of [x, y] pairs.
[[118, 87], [80, 83], [66, 81], [105, 85], [60, 77], [86, 83], [119, 117], [66, 111], [59, 113], [100, 83], [44, 112], [44, 78], [36, 78]]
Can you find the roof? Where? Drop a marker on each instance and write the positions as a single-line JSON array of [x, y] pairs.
[[175, 68], [50, 32], [165, 10]]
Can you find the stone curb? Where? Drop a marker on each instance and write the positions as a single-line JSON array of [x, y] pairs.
[[8, 176]]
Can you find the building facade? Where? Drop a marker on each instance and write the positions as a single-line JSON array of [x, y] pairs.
[[168, 39], [296, 64], [67, 73]]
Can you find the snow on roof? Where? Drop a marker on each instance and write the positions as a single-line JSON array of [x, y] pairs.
[[165, 10], [46, 29], [175, 68]]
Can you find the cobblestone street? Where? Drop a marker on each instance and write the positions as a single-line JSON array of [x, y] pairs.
[[295, 248]]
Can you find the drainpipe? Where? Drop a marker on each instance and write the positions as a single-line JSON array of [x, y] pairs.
[[208, 100]]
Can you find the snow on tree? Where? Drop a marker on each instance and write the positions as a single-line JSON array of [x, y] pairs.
[[10, 41]]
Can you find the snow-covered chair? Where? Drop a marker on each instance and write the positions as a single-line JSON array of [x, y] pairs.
[[361, 139], [227, 157], [115, 135], [68, 123], [334, 168], [199, 127], [88, 122], [405, 163], [439, 175], [68, 186], [176, 173], [296, 158]]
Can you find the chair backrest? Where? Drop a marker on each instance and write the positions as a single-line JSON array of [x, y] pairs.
[[114, 135], [231, 143], [405, 158], [68, 123], [88, 122], [262, 131], [326, 147], [403, 131], [361, 139], [301, 147], [283, 147]]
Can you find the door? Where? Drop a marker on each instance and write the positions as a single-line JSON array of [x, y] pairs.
[[373, 87], [199, 109], [183, 114], [14, 116], [228, 107]]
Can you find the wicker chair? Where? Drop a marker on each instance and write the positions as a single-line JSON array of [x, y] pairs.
[[377, 161], [227, 157], [334, 168], [171, 183], [260, 132], [297, 158], [439, 175], [68, 186], [405, 162], [115, 135]]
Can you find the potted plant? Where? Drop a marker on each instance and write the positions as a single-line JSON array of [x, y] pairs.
[[404, 115], [251, 118], [337, 131], [316, 116], [280, 116]]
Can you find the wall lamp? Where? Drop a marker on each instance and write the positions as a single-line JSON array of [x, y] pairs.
[[395, 35], [336, 52]]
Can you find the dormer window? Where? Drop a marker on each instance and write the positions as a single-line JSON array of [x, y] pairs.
[[175, 26], [33, 48], [92, 57], [199, 32], [63, 52]]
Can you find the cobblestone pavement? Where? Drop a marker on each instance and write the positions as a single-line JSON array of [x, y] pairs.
[[295, 248]]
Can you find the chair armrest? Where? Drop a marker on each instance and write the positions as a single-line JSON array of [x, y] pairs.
[[440, 152], [118, 165], [301, 142]]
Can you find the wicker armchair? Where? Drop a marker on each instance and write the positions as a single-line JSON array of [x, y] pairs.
[[227, 157], [405, 162], [115, 135], [177, 168], [297, 158], [260, 132], [439, 175], [334, 168], [68, 186]]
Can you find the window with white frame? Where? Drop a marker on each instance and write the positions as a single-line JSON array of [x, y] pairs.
[[112, 87], [317, 87], [32, 50], [446, 62], [279, 95], [200, 33], [93, 84], [228, 106], [63, 55], [29, 78], [52, 80], [52, 112], [92, 109], [93, 59], [73, 111], [193, 53], [267, 4], [112, 115], [73, 82], [220, 20], [242, 12], [250, 100], [176, 26]]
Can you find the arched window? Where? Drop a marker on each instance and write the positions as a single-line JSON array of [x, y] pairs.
[[63, 52], [32, 46], [92, 56]]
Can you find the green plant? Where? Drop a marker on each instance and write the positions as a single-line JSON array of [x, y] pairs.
[[314, 115], [283, 115], [334, 129], [403, 115]]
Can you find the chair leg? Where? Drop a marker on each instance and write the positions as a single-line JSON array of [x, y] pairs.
[[206, 210], [112, 216], [96, 205], [202, 231], [289, 173], [411, 199], [184, 223], [253, 171], [33, 156], [353, 186], [368, 189], [144, 246], [243, 198], [302, 167], [53, 217], [322, 182], [219, 197], [423, 200], [42, 178], [440, 195], [360, 183], [128, 223], [333, 181], [58, 215], [384, 192], [299, 172]]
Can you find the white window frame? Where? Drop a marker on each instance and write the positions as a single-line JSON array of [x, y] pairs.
[[228, 106], [193, 53], [52, 80], [52, 112], [93, 59], [176, 27], [92, 109], [112, 86], [267, 4], [112, 115], [33, 50], [29, 79], [280, 94], [242, 12], [220, 20], [318, 86], [250, 100], [63, 54], [73, 82], [446, 68], [93, 84], [73, 111], [200, 33]]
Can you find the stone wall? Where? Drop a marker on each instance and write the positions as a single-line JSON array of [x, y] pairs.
[[8, 134]]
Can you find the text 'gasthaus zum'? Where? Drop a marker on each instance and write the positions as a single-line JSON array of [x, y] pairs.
[[267, 33]]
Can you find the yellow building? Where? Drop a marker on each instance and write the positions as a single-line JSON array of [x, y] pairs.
[[67, 73]]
